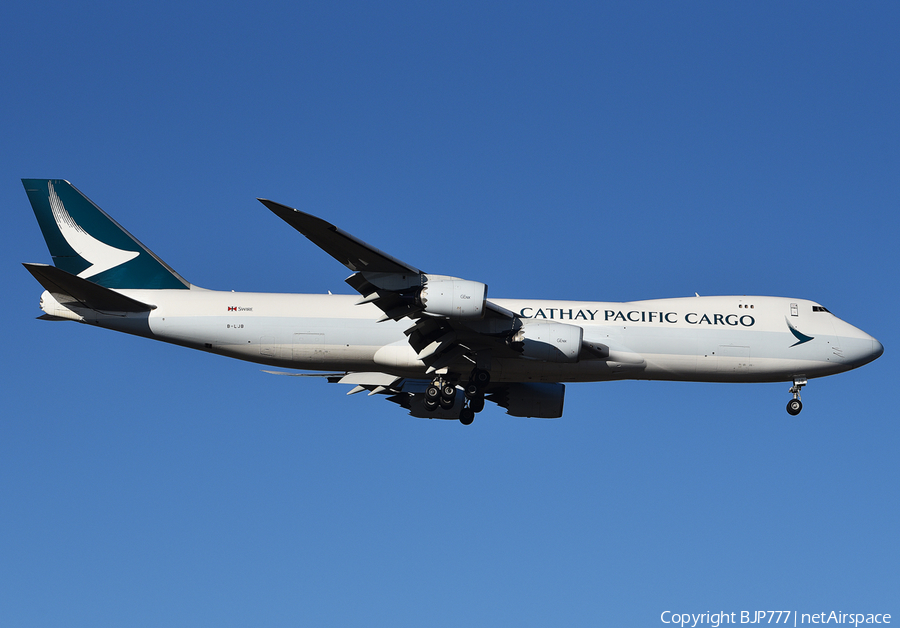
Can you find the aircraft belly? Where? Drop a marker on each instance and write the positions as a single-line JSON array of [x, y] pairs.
[[192, 331], [524, 370]]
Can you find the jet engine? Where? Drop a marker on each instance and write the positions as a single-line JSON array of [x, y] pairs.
[[552, 342], [451, 297]]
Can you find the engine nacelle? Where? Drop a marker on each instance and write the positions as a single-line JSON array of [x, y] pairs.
[[454, 298], [552, 342]]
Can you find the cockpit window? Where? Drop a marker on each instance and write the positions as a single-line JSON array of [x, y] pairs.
[[819, 308]]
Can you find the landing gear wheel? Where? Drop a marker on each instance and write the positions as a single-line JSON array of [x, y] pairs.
[[466, 416], [477, 404], [447, 404], [472, 390], [794, 407], [448, 391], [480, 378], [430, 404], [432, 393]]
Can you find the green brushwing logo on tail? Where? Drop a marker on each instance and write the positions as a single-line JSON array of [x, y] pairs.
[[85, 241]]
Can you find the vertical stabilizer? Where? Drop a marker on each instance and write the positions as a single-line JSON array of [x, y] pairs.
[[84, 241]]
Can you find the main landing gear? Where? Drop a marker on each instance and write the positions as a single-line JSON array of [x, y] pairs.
[[794, 406], [443, 392]]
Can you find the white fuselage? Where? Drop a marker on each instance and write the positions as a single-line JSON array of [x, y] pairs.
[[728, 339]]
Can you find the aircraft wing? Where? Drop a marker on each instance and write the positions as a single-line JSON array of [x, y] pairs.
[[348, 250], [454, 325]]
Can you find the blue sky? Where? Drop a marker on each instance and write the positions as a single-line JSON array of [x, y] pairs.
[[591, 152]]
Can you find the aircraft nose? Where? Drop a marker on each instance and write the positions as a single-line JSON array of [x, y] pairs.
[[856, 346], [862, 351]]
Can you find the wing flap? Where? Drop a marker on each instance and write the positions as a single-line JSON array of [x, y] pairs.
[[370, 379]]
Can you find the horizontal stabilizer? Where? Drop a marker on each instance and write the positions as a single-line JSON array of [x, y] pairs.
[[86, 293]]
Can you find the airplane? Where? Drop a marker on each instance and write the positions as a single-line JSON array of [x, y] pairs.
[[435, 345]]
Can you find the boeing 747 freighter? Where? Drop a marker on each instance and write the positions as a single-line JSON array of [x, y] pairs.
[[435, 345]]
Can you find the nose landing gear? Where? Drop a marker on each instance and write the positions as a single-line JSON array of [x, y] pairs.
[[794, 406]]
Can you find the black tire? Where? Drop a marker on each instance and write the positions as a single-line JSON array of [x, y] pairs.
[[481, 378], [448, 391], [447, 404], [430, 404], [472, 390], [466, 416], [432, 392], [477, 404], [794, 407]]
